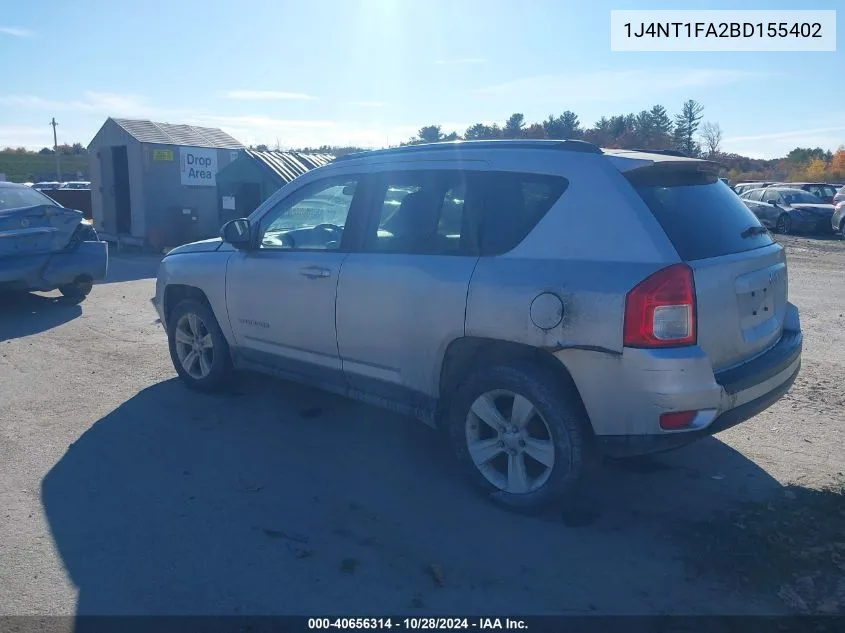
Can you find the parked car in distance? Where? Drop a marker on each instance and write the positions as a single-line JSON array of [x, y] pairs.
[[44, 246], [27, 184], [76, 184], [839, 197], [787, 210], [501, 301], [46, 185], [837, 220], [824, 191], [742, 187]]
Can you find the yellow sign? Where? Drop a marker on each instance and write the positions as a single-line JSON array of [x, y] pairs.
[[162, 154]]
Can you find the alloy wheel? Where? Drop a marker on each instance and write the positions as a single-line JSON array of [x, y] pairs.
[[509, 441], [194, 346]]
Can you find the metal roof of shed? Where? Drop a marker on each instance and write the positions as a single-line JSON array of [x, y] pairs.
[[289, 165], [170, 134]]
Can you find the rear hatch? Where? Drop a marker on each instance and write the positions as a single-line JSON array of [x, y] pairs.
[[36, 229], [739, 270]]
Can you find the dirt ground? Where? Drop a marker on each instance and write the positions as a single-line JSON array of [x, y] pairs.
[[123, 493]]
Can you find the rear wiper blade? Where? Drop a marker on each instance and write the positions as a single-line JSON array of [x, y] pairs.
[[754, 230]]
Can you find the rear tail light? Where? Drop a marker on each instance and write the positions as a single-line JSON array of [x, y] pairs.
[[677, 420], [660, 310]]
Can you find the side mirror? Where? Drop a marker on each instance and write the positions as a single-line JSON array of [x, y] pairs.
[[774, 203], [238, 233]]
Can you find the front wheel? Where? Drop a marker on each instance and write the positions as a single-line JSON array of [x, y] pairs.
[[784, 225], [198, 349], [520, 435]]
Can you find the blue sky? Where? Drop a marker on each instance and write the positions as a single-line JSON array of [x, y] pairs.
[[371, 72]]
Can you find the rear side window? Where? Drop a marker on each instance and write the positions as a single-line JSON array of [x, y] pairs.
[[701, 216], [771, 195], [513, 205], [425, 212]]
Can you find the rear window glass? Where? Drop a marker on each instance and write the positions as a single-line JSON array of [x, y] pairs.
[[799, 197], [19, 197], [699, 213]]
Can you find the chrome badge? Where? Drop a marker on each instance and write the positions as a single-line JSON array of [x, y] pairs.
[[775, 278], [25, 223]]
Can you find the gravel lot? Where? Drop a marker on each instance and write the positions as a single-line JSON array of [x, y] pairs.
[[122, 492]]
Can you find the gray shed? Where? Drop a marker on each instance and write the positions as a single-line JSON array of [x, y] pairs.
[[256, 175], [155, 184]]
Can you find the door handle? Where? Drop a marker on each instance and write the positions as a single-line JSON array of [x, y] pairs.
[[315, 272]]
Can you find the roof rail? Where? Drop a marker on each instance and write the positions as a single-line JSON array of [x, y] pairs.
[[569, 145]]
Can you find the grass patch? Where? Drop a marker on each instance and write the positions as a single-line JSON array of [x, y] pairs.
[[792, 547]]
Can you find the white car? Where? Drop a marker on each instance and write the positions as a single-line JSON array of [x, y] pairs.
[[76, 184], [47, 185]]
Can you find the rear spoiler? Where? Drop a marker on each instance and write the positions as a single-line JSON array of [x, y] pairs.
[[627, 161]]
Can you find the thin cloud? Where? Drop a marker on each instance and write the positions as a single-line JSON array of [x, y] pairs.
[[266, 95], [369, 104], [16, 31], [26, 136], [107, 103], [460, 61], [613, 85], [253, 121], [784, 135]]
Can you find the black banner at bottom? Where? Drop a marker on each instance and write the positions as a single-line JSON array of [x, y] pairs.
[[401, 623]]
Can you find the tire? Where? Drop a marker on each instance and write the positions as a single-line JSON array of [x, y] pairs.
[[784, 224], [561, 419], [212, 366], [842, 229], [78, 290]]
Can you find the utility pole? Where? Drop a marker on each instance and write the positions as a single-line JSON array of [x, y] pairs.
[[56, 150]]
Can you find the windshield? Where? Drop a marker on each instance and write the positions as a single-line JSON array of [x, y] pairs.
[[18, 197], [796, 196]]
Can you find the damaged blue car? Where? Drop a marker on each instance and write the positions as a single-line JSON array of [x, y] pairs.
[[44, 246]]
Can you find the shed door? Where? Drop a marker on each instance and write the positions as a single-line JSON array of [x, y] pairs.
[[123, 210], [248, 198], [106, 190]]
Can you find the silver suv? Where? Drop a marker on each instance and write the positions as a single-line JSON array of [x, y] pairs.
[[539, 301]]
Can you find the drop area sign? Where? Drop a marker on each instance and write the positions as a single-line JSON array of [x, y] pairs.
[[199, 166]]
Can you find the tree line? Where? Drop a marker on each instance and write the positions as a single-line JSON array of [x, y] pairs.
[[651, 129], [77, 149]]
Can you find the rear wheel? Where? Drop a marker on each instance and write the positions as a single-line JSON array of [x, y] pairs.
[[519, 435], [784, 225], [842, 229], [78, 289], [198, 349]]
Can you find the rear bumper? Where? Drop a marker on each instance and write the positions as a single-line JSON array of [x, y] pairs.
[[813, 224], [47, 272], [626, 395], [628, 445]]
